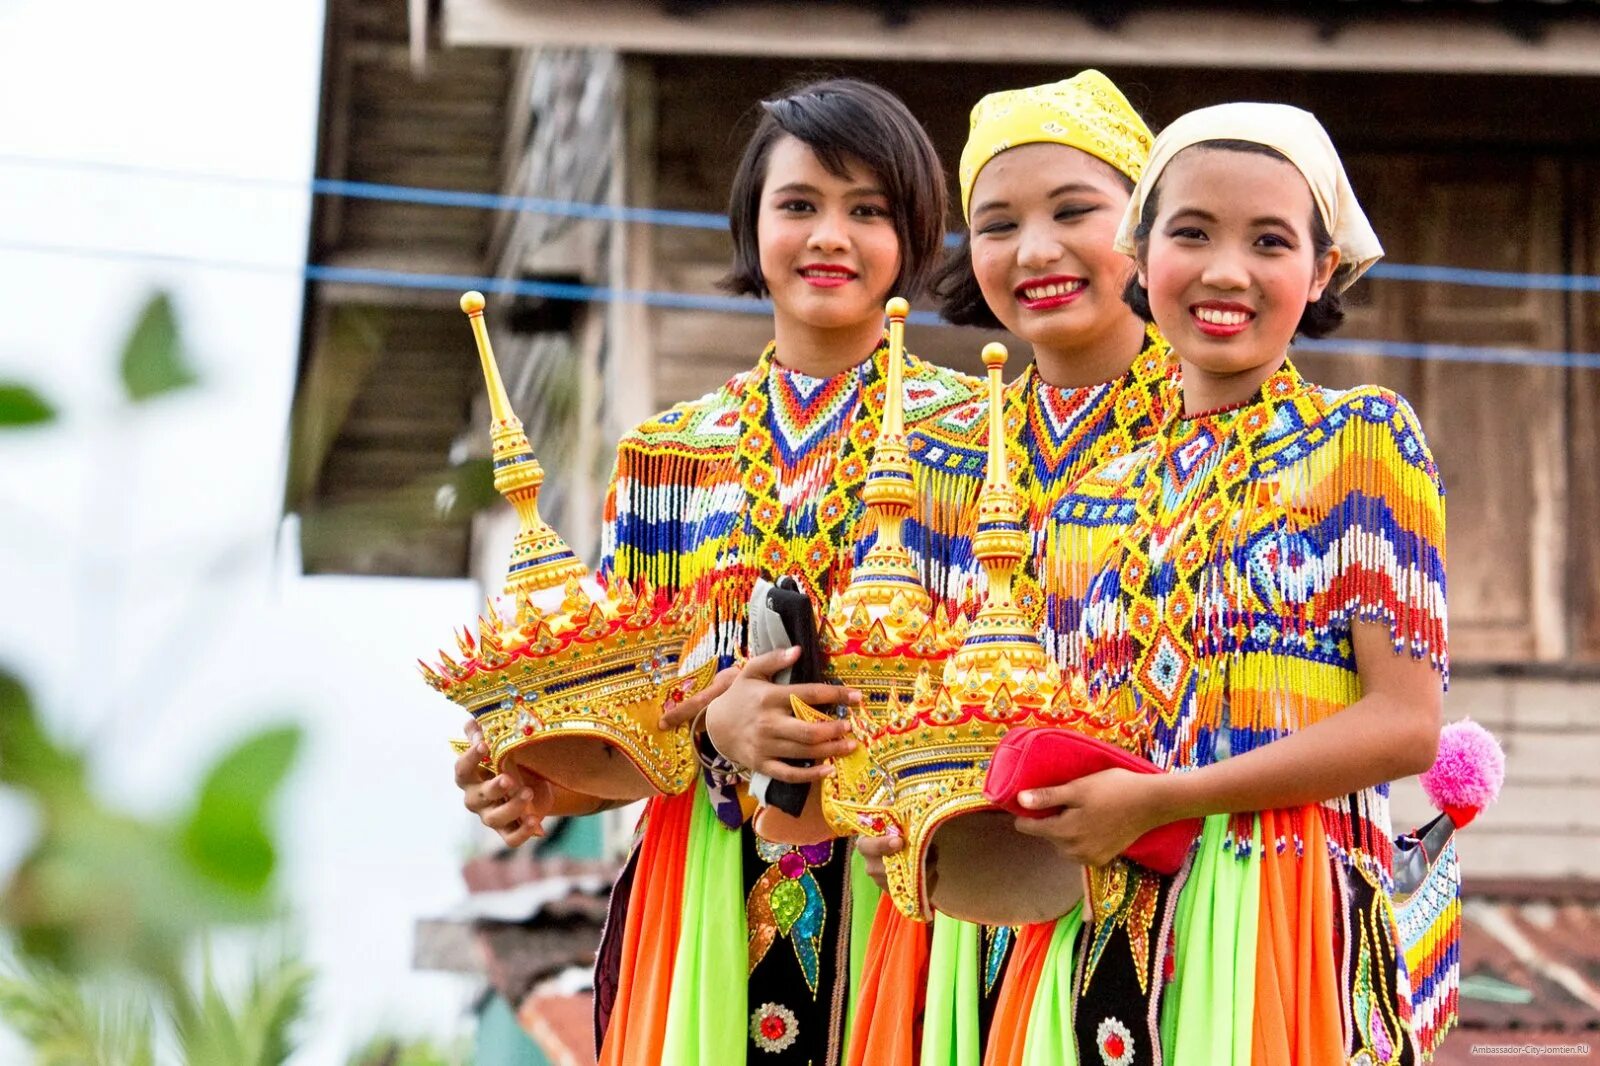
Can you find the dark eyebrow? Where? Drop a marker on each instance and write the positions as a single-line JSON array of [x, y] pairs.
[[1058, 191], [1271, 220], [1255, 223], [1071, 186], [807, 189]]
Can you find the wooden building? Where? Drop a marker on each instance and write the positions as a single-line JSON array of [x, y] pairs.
[[1470, 131]]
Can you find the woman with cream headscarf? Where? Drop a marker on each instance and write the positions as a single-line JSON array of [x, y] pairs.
[[1045, 176], [1271, 616]]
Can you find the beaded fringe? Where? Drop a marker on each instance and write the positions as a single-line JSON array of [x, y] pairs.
[[1359, 538]]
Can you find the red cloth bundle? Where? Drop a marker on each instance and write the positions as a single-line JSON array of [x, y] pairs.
[[1038, 758]]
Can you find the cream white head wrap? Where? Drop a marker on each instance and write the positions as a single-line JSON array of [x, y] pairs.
[[1301, 139]]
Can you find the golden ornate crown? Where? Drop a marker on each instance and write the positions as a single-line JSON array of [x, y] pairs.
[[924, 756], [562, 655]]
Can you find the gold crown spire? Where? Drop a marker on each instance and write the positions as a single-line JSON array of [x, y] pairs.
[[540, 559], [889, 493], [999, 545]]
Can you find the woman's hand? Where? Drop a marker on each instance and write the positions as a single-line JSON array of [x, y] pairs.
[[751, 722], [873, 849], [1099, 816], [687, 710], [513, 803]]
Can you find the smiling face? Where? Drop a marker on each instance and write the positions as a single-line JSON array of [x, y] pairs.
[[828, 247], [1043, 220], [1230, 265]]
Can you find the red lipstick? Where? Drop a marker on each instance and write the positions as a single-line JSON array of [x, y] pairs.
[[827, 275], [1221, 318], [1049, 292]]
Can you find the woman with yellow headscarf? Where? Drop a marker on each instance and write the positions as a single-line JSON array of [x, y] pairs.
[[1045, 176]]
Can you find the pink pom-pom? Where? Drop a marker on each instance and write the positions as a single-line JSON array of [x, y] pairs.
[[1468, 772]]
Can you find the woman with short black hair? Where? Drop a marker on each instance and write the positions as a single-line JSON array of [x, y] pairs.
[[723, 947]]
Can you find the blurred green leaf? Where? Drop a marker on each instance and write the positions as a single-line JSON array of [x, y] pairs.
[[104, 890], [29, 759], [170, 881], [153, 360], [395, 1051], [257, 1030], [226, 837], [71, 1024], [21, 406], [472, 483]]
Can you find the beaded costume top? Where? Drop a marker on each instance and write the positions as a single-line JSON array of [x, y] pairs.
[[760, 478], [1054, 436], [1233, 554]]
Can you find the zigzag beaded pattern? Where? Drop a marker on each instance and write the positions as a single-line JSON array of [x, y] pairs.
[[679, 508], [1054, 437]]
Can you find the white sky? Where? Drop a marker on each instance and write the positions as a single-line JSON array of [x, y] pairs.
[[142, 595]]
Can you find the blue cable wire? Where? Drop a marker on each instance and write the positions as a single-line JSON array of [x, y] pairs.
[[553, 290], [538, 205], [364, 190]]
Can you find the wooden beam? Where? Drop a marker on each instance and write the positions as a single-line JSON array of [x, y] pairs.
[[417, 35], [829, 29], [513, 160], [336, 147], [630, 371]]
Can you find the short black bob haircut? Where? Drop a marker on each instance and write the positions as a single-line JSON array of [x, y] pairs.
[[961, 301], [844, 120], [1318, 320]]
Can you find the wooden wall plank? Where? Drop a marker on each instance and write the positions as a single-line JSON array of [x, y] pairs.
[[1435, 41], [1583, 455]]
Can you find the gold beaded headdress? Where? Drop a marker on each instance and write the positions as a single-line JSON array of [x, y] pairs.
[[561, 654]]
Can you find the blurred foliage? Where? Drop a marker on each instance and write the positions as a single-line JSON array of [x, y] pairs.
[[153, 364], [101, 893], [391, 1051], [447, 498], [68, 1023], [107, 910], [253, 1030], [172, 878], [21, 406], [226, 833], [153, 359]]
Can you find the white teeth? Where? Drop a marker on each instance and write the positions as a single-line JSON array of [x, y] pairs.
[[1044, 292], [827, 274], [1221, 318]]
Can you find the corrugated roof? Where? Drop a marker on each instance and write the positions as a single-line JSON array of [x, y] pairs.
[[1530, 957]]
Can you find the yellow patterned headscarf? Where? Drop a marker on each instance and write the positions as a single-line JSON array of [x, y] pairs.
[[1087, 112]]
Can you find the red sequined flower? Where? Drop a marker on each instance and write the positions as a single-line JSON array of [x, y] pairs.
[[773, 1027], [1114, 1043]]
